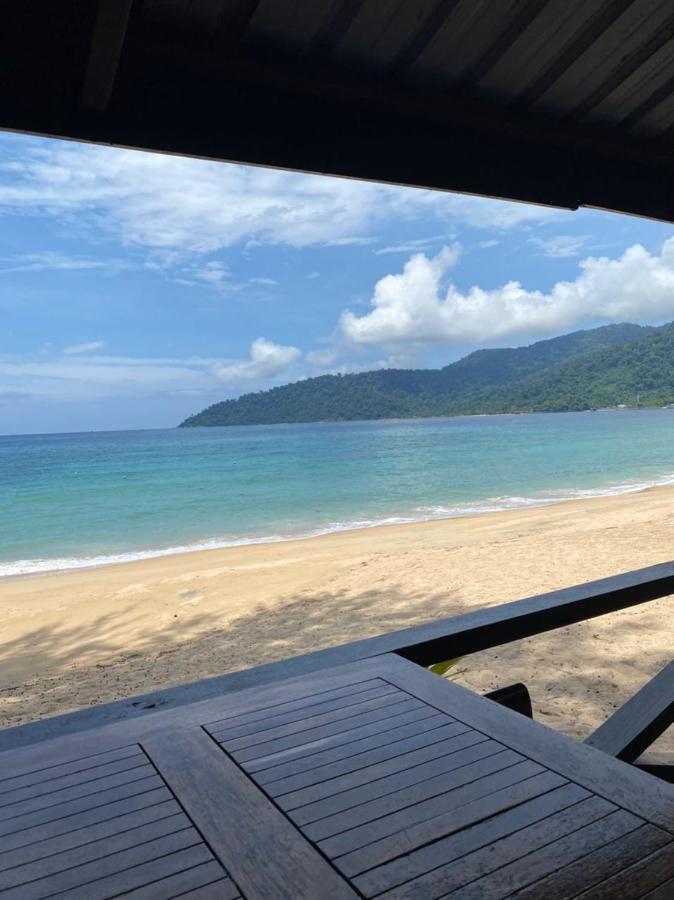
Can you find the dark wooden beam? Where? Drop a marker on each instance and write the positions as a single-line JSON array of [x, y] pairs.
[[106, 49], [582, 40], [230, 27], [627, 67], [523, 17], [329, 36], [658, 95], [424, 644], [640, 721], [418, 42]]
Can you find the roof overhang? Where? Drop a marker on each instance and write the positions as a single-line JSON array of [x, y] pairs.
[[516, 100]]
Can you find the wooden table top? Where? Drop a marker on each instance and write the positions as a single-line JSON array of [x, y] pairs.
[[374, 778]]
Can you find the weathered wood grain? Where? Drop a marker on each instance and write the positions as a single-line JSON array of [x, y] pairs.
[[421, 801], [265, 855], [438, 869]]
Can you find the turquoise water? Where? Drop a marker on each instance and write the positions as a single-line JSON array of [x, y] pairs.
[[73, 500]]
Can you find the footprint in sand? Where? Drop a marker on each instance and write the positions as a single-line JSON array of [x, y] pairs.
[[190, 598]]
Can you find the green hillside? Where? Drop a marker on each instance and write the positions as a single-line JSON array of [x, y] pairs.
[[605, 366]]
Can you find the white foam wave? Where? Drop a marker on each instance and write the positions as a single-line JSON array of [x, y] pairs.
[[420, 514]]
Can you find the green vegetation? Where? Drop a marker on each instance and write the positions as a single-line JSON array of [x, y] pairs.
[[448, 668], [602, 367]]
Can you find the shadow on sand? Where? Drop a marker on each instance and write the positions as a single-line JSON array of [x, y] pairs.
[[576, 675]]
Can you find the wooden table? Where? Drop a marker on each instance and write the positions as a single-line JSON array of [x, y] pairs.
[[374, 778]]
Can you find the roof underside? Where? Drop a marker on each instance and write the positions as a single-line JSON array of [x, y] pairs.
[[563, 102]]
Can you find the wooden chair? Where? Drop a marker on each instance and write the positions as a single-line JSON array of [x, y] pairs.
[[515, 697], [634, 727]]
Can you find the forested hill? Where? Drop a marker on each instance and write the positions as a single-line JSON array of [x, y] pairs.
[[607, 366]]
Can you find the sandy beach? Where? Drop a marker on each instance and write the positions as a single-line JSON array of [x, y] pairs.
[[79, 638]]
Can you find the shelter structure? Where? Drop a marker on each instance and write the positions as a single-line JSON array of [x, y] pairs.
[[353, 771], [561, 102]]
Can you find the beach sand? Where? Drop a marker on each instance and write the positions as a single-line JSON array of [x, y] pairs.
[[75, 639]]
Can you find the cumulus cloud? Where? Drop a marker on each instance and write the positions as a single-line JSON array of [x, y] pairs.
[[167, 203], [267, 360], [88, 347], [413, 305]]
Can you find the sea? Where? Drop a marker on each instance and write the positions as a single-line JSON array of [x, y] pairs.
[[69, 501]]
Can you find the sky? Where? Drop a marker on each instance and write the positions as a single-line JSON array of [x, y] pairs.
[[138, 288]]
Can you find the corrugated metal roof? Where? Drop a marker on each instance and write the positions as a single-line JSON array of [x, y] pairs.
[[593, 77], [605, 61]]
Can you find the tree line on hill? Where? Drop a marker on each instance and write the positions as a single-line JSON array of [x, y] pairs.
[[609, 366]]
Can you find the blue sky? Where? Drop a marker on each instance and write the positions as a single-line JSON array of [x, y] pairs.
[[136, 288]]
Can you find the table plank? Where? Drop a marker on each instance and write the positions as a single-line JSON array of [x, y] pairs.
[[272, 751], [264, 853], [325, 764], [97, 825], [637, 880], [340, 700], [513, 876], [651, 798], [441, 756], [204, 881], [441, 868], [597, 865], [367, 855], [419, 801]]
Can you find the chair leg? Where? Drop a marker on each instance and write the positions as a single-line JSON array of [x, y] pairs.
[[634, 727], [664, 772], [515, 697]]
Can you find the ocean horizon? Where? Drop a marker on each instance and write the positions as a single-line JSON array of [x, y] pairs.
[[84, 499]]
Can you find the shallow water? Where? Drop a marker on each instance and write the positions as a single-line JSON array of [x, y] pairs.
[[74, 500]]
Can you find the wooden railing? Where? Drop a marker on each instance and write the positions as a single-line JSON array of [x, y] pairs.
[[423, 644]]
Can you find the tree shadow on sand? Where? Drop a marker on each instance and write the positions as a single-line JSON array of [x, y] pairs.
[[576, 675]]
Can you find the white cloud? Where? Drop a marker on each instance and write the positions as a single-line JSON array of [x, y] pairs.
[[561, 246], [265, 282], [267, 360], [51, 261], [413, 306], [411, 246], [212, 272], [168, 203], [88, 347], [81, 374]]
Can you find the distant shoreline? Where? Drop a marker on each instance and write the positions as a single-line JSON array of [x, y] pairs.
[[476, 415], [418, 418]]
